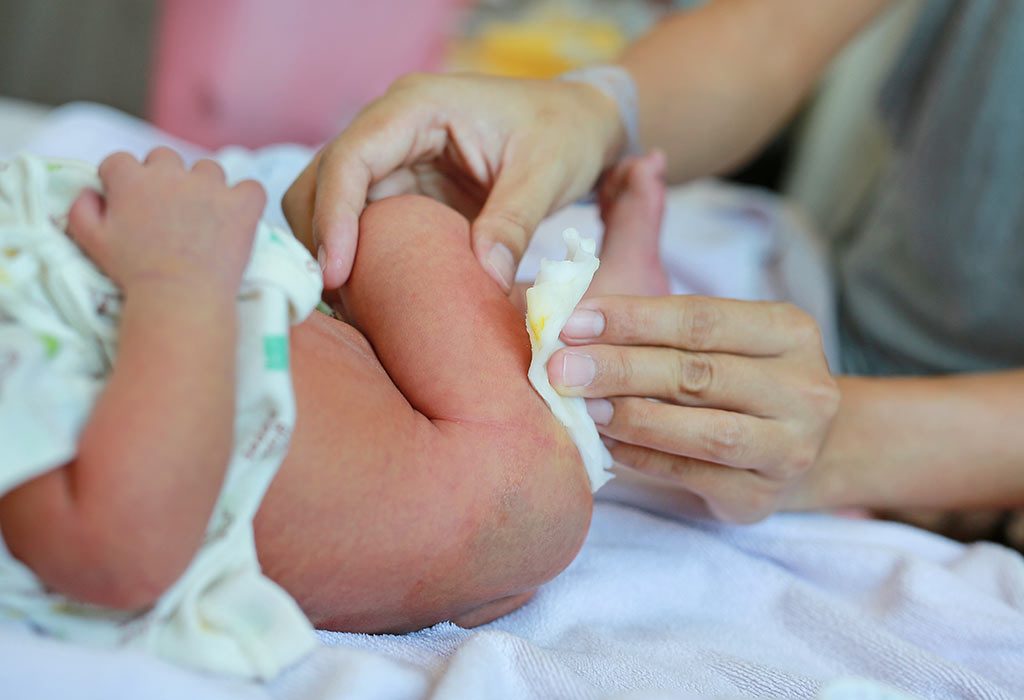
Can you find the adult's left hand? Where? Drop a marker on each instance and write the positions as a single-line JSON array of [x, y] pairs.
[[743, 397]]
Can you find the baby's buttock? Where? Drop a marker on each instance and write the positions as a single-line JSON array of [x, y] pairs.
[[354, 433]]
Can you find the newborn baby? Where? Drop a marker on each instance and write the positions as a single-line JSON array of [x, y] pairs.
[[435, 479], [425, 479]]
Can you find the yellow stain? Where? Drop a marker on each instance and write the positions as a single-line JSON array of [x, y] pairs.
[[537, 326], [9, 253]]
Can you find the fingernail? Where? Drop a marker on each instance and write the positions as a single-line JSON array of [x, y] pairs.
[[577, 369], [501, 265], [600, 410], [583, 324], [321, 257]]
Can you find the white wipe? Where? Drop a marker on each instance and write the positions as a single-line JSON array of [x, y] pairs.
[[559, 287]]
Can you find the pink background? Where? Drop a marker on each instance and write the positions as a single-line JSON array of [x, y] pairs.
[[254, 72]]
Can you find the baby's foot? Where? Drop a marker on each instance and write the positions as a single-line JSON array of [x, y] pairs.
[[632, 202]]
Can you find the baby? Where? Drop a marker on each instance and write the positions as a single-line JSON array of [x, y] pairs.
[[424, 479]]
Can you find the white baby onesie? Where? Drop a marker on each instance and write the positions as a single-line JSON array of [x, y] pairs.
[[58, 338]]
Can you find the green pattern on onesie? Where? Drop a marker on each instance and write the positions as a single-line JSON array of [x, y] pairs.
[[50, 344], [275, 350]]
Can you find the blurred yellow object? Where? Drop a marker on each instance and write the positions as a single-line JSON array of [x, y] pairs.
[[540, 48]]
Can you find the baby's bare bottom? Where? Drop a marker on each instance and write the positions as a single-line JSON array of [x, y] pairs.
[[426, 480]]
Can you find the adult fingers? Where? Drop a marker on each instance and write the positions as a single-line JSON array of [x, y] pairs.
[[703, 324], [686, 378], [711, 435], [524, 193], [297, 204], [730, 495], [401, 181], [342, 182], [378, 142]]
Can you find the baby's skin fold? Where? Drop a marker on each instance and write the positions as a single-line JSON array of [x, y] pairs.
[[426, 479]]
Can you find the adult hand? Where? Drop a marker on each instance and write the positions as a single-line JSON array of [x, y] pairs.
[[744, 397], [504, 152]]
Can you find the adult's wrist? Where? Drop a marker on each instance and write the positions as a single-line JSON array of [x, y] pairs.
[[619, 105], [833, 481]]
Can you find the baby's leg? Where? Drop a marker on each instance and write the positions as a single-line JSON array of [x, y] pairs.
[[451, 498], [632, 201]]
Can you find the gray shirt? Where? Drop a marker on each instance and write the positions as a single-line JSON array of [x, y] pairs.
[[931, 277]]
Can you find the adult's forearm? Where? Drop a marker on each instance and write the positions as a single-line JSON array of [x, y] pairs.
[[941, 442], [714, 84]]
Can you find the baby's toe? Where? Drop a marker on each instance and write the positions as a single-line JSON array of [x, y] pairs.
[[647, 174]]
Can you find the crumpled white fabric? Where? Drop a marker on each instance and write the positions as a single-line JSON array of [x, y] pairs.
[[58, 342], [559, 287]]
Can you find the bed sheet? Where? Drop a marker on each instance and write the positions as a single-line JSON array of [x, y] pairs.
[[797, 607], [800, 606], [18, 120]]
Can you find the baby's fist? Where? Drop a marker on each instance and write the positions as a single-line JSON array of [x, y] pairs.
[[161, 225]]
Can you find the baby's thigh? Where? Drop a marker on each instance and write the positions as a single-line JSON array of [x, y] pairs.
[[358, 515], [434, 480]]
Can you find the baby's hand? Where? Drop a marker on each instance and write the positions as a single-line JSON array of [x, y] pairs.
[[163, 226]]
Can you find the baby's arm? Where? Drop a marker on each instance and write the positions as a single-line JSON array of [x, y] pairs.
[[452, 498], [120, 523]]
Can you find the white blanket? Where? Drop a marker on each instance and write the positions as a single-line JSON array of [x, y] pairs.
[[694, 610], [653, 607], [774, 610]]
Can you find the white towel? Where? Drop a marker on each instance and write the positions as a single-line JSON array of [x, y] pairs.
[[654, 608], [775, 610]]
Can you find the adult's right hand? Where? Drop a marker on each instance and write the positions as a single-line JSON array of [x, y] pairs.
[[504, 152]]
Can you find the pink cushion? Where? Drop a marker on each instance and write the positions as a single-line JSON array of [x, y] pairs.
[[254, 72]]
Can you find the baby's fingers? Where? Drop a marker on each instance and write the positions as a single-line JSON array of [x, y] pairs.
[[85, 221], [116, 167], [164, 157], [209, 169], [251, 198]]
